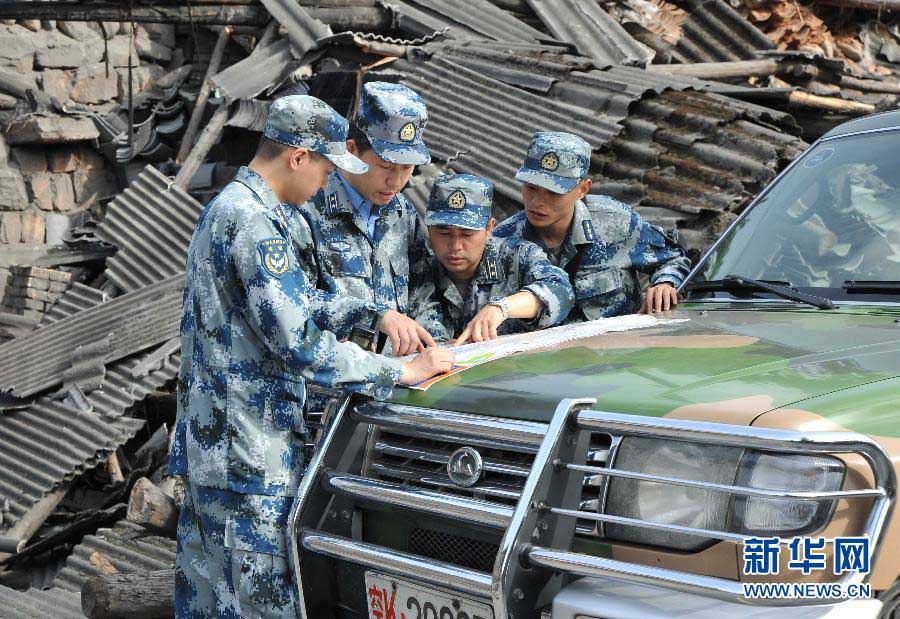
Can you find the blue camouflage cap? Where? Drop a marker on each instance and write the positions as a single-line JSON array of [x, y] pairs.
[[555, 161], [460, 200], [301, 120], [393, 117]]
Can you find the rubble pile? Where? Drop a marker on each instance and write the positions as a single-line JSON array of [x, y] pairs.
[[122, 119]]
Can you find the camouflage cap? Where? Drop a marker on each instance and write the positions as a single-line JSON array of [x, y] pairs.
[[460, 200], [555, 161], [393, 117], [301, 120]]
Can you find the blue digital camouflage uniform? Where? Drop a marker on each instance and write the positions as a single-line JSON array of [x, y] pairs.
[[608, 242], [348, 264], [248, 345], [507, 266]]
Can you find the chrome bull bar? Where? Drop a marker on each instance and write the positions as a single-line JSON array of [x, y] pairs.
[[539, 531]]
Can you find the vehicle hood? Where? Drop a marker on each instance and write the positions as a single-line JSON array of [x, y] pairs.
[[729, 362]]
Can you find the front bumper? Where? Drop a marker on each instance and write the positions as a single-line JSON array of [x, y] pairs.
[[606, 598]]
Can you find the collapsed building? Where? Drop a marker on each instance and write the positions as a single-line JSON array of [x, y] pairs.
[[122, 120]]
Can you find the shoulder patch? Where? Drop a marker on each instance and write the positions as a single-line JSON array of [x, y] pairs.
[[589, 230], [274, 257]]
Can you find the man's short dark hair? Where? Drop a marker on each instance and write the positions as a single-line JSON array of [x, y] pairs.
[[270, 149], [359, 137]]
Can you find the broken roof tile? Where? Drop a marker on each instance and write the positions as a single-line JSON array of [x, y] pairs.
[[592, 31], [151, 223], [134, 321]]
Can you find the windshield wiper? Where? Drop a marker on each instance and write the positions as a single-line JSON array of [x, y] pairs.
[[738, 282], [856, 286]]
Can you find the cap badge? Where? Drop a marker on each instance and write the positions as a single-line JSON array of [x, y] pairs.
[[408, 132], [456, 200], [550, 161]]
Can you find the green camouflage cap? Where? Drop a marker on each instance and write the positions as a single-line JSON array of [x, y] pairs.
[[301, 120], [460, 200]]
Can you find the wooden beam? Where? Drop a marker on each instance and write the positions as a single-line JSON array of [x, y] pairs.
[[831, 104], [222, 14], [721, 70], [208, 138], [28, 525], [138, 595], [200, 106]]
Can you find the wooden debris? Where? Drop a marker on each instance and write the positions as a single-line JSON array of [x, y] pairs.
[[137, 595], [150, 506]]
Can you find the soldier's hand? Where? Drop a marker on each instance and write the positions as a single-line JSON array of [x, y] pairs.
[[483, 326], [660, 298], [406, 335], [424, 366]]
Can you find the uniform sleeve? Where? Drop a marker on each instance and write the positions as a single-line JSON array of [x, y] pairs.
[[424, 306], [657, 254], [178, 463], [278, 309], [548, 283], [331, 312]]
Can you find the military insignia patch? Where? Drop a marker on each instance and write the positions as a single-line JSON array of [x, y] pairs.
[[588, 230], [457, 200], [408, 132], [273, 253], [332, 201], [550, 162]]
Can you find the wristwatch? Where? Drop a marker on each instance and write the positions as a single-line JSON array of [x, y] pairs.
[[502, 303]]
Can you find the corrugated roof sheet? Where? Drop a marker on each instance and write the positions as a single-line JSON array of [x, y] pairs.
[[134, 321], [77, 297], [151, 223], [473, 19], [592, 31], [529, 66], [304, 30], [491, 123], [52, 441], [56, 603], [126, 546], [693, 153], [262, 70], [716, 32]]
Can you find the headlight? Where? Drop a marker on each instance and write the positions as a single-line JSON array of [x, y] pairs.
[[784, 517], [710, 509]]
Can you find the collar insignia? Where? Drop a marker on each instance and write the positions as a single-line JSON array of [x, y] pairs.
[[588, 230]]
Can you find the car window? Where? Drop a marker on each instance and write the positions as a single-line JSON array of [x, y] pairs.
[[835, 216]]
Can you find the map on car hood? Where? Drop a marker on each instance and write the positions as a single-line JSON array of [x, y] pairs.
[[470, 355]]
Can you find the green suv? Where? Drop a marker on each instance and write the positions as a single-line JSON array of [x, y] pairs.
[[647, 472]]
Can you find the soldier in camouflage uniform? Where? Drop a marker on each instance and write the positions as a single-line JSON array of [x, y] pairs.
[[248, 344], [367, 234], [600, 242], [487, 286]]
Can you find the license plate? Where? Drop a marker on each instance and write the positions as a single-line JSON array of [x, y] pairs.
[[390, 598]]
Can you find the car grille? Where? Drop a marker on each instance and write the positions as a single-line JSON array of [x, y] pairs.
[[415, 459], [465, 551]]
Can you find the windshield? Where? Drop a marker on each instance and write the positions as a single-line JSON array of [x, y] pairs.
[[834, 217]]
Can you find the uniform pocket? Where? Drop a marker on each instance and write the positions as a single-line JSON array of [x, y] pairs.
[[597, 283], [346, 263], [286, 398], [260, 573]]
